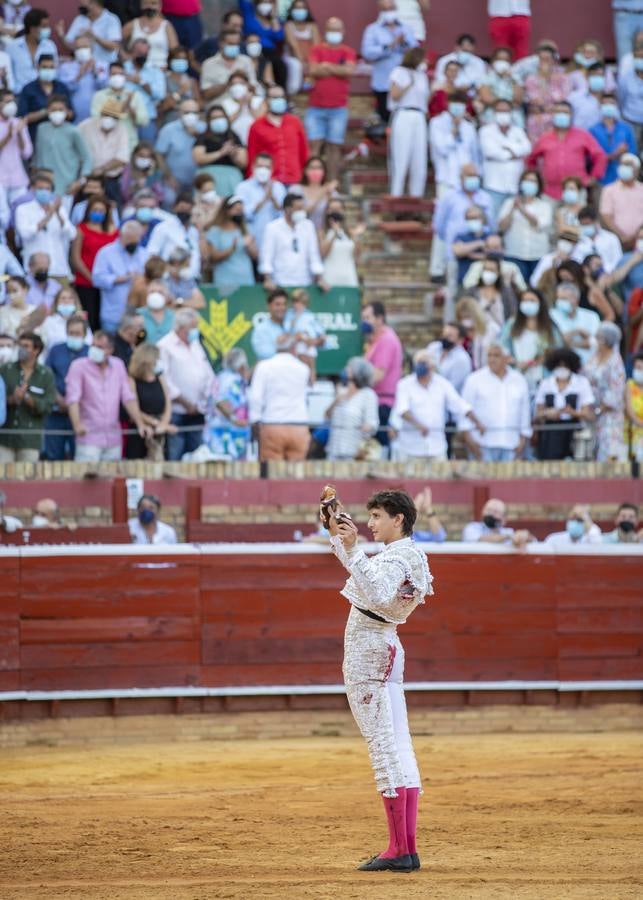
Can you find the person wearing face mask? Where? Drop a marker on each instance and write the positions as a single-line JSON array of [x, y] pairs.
[[497, 300], [544, 276], [132, 108], [46, 514], [615, 136], [115, 267], [579, 530], [262, 197], [216, 71], [261, 18], [491, 529], [147, 528], [340, 247], [301, 34], [352, 415], [59, 445], [107, 140], [101, 27], [281, 135], [30, 391], [148, 82], [43, 226], [206, 202], [180, 86], [384, 352], [384, 44], [15, 147], [564, 398], [179, 283], [595, 239], [571, 202], [525, 223], [634, 404], [510, 25], [157, 315], [130, 334], [408, 100], [143, 174], [566, 152], [9, 266], [469, 244], [94, 232], [586, 99], [52, 325], [451, 359], [500, 84], [473, 68], [528, 336], [177, 231], [153, 27], [606, 374], [630, 92], [545, 84], [61, 149], [41, 288], [317, 190], [621, 203], [220, 153], [190, 381], [242, 106], [15, 310], [231, 248], [227, 421], [153, 396], [97, 386], [578, 326], [627, 526], [504, 147], [83, 76], [27, 50], [290, 253], [33, 99]]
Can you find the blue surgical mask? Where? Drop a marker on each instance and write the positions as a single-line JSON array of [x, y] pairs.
[[231, 51], [463, 57], [334, 37], [193, 335], [596, 82], [583, 61], [638, 65], [561, 119], [44, 34], [366, 328], [625, 172], [457, 110], [529, 307], [278, 105], [570, 196], [588, 231], [146, 516], [47, 74], [144, 214], [180, 66], [528, 188], [575, 529], [609, 111], [96, 216], [300, 15], [218, 126], [75, 344], [471, 182], [564, 306], [66, 309], [421, 369], [43, 196]]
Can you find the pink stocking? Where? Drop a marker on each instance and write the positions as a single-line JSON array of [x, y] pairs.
[[412, 797], [396, 816]]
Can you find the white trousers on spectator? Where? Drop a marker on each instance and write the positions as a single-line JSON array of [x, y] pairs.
[[294, 76], [408, 151], [438, 263], [9, 454], [91, 453]]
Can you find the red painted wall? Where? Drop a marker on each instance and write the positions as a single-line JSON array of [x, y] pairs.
[[82, 622]]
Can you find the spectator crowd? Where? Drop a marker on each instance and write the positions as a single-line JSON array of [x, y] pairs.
[[141, 158]]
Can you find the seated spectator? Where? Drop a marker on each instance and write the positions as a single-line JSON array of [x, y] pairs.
[[268, 332], [430, 528], [443, 91], [630, 91], [510, 272], [585, 99], [547, 275], [473, 69], [304, 325], [579, 530], [570, 204], [27, 50], [142, 173], [614, 136], [131, 333], [190, 381], [353, 416], [46, 514], [280, 135], [147, 528], [621, 204], [526, 224], [232, 250], [566, 151], [384, 43], [147, 80], [500, 83], [61, 149], [606, 374], [528, 336], [227, 421], [339, 246], [132, 107], [219, 152], [34, 97], [96, 387], [178, 232], [424, 401], [290, 252], [492, 528], [564, 398], [182, 94], [94, 232], [452, 360], [153, 396], [30, 392], [216, 71], [43, 226], [14, 312], [261, 19], [15, 147], [277, 405], [469, 245], [206, 202], [8, 524], [595, 239], [577, 326], [115, 267], [174, 145], [301, 34], [107, 140], [480, 330], [59, 443], [242, 105], [383, 349], [545, 86], [634, 408], [627, 526], [496, 299], [157, 314], [262, 197], [504, 146]]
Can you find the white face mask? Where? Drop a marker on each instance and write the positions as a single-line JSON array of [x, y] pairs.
[[117, 82], [107, 123], [39, 521], [83, 54], [564, 246], [155, 300], [503, 118], [489, 277], [262, 174], [143, 162], [96, 354], [190, 119], [298, 216], [637, 375], [253, 49], [209, 197], [501, 66], [334, 37], [639, 245], [264, 9], [8, 355], [57, 116], [238, 90], [10, 109], [562, 373]]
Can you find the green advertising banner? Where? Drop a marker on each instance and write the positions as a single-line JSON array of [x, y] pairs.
[[228, 319]]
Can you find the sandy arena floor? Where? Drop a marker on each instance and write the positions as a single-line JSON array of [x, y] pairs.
[[543, 817]]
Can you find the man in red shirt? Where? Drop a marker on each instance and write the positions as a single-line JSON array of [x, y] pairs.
[[331, 65], [566, 152], [280, 135]]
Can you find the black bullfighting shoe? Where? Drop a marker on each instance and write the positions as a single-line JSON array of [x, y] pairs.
[[415, 861], [395, 864]]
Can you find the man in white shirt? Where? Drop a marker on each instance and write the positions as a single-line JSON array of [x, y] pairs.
[[578, 326], [499, 397], [277, 405], [596, 240], [579, 530], [178, 231], [423, 403], [43, 226], [190, 380], [510, 25], [473, 68], [290, 254], [504, 146], [147, 528]]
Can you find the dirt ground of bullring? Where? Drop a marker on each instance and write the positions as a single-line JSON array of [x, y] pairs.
[[503, 816]]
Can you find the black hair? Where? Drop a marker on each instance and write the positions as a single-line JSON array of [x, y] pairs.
[[588, 212], [152, 499], [36, 340], [57, 98], [278, 292], [465, 37], [596, 66], [395, 503], [459, 97], [539, 179], [290, 199], [627, 505], [379, 310], [33, 18], [562, 356], [309, 17]]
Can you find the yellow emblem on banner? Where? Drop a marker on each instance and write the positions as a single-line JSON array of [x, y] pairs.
[[219, 334]]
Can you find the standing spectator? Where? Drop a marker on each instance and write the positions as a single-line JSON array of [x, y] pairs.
[[316, 189], [43, 226], [281, 136], [352, 416], [544, 88], [510, 25], [15, 148], [115, 267], [277, 405], [82, 76], [504, 147], [566, 151], [27, 50], [563, 398], [480, 331], [104, 29], [424, 401], [130, 333], [155, 28], [61, 445], [528, 336], [261, 65], [630, 92], [496, 299], [34, 97], [147, 528], [179, 283], [219, 152], [339, 246], [269, 333], [614, 136], [242, 104], [384, 44], [216, 71], [107, 140], [634, 408], [579, 529], [501, 84], [143, 175], [94, 232], [30, 392], [232, 249], [627, 526], [412, 13], [190, 381], [499, 397], [61, 149], [262, 197], [96, 387], [9, 266], [628, 23], [452, 360], [178, 233], [130, 104], [473, 68], [290, 252], [409, 99], [148, 81], [185, 18], [606, 374], [384, 352], [158, 318], [227, 423], [578, 326], [153, 396], [526, 224], [331, 65], [570, 204], [42, 288], [596, 241], [16, 309], [261, 19], [586, 99], [51, 324], [301, 34], [621, 204], [180, 85], [469, 245], [442, 92]]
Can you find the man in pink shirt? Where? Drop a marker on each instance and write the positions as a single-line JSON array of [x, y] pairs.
[[385, 354], [96, 387], [621, 202], [566, 152]]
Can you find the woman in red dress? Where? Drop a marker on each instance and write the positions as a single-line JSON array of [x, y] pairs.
[[95, 231]]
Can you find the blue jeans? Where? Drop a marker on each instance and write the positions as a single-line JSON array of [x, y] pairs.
[[189, 29], [626, 25], [185, 441], [59, 446], [326, 124], [497, 454]]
